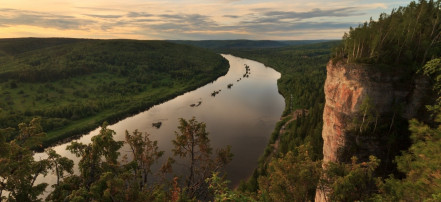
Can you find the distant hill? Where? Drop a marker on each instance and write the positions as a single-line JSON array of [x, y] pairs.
[[75, 85], [14, 46], [245, 44]]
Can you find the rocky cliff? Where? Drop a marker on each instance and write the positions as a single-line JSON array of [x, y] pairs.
[[391, 95]]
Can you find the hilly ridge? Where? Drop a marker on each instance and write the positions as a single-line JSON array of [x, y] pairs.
[[241, 44]]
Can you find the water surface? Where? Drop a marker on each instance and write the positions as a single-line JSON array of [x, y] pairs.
[[242, 116]]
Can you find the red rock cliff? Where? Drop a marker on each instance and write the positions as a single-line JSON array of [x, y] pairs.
[[346, 86]]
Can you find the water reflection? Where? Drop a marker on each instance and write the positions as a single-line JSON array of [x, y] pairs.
[[242, 116]]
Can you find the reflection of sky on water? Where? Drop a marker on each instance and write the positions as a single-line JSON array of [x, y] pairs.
[[243, 116]]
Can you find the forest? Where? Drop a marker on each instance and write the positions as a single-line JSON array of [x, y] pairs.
[[303, 69], [408, 39], [409, 36], [74, 85], [309, 62], [240, 44], [291, 168]]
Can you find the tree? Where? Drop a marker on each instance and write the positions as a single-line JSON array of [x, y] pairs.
[[18, 169], [221, 192], [408, 36], [30, 134], [292, 177], [145, 153], [97, 160], [59, 164], [350, 182], [421, 163], [192, 142]]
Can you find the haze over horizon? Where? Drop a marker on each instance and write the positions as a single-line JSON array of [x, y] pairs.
[[188, 19]]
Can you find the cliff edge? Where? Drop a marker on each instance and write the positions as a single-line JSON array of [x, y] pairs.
[[391, 95]]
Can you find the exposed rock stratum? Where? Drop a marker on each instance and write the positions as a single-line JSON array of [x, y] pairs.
[[346, 86]]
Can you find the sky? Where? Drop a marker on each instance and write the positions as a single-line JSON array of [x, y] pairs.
[[188, 19]]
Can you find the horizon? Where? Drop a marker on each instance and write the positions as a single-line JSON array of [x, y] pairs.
[[198, 20], [324, 40]]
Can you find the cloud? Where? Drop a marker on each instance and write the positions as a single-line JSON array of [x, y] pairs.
[[231, 16], [104, 16], [339, 12], [11, 17], [138, 14], [185, 19], [267, 16], [229, 1], [185, 22]]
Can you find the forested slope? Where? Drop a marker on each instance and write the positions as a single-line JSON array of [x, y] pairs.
[[303, 69], [74, 85], [241, 44]]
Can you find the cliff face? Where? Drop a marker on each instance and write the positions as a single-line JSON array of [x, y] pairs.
[[346, 87]]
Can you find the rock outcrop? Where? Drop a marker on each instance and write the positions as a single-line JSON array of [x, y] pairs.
[[346, 86]]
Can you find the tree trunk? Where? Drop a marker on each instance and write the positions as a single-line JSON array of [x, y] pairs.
[[362, 122], [353, 51], [428, 48], [190, 178], [392, 123], [358, 50], [58, 174], [376, 121]]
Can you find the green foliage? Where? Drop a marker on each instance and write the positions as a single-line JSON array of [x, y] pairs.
[[59, 164], [98, 157], [433, 69], [408, 36], [192, 142], [18, 172], [350, 182], [221, 191], [74, 85], [292, 177], [104, 178], [306, 129], [30, 135], [18, 169], [144, 154], [369, 116], [421, 163]]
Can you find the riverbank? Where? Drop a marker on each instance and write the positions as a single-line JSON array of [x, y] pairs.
[[133, 105], [303, 70], [255, 101], [74, 85]]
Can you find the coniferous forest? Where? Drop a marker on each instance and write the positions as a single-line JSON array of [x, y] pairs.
[[408, 36]]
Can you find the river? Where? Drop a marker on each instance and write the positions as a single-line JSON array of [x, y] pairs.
[[242, 116]]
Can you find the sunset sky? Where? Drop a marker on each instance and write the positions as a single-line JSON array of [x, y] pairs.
[[188, 19]]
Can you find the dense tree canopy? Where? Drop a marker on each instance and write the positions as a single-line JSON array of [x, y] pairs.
[[409, 36], [69, 82]]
